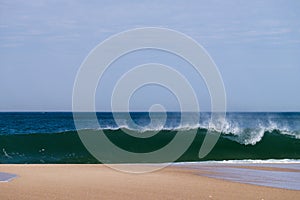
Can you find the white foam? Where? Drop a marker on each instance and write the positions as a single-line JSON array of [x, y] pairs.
[[241, 133]]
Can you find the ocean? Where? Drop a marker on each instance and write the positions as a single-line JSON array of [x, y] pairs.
[[51, 137]]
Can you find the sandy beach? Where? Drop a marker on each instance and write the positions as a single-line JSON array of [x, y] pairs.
[[48, 181]]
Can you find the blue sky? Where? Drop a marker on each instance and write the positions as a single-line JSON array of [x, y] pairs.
[[255, 44]]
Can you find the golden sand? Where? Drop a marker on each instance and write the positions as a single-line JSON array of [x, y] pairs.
[[100, 182]]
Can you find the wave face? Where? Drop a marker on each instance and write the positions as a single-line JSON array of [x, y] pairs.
[[52, 137]]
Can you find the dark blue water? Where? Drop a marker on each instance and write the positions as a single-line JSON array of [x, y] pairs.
[[52, 137]]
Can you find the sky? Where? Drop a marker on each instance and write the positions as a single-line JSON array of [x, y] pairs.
[[254, 44]]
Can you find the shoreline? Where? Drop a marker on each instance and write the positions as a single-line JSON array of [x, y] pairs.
[[276, 175], [94, 181]]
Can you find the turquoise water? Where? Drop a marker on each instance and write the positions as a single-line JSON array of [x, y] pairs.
[[52, 137]]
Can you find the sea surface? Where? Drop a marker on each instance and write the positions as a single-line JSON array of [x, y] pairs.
[[51, 137]]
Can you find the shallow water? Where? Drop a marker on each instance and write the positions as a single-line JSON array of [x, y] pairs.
[[6, 177], [286, 176]]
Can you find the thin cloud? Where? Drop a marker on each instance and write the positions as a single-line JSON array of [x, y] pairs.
[[266, 32], [11, 45]]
